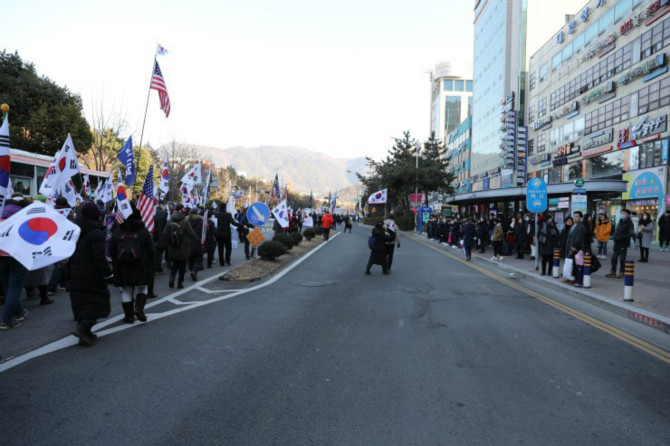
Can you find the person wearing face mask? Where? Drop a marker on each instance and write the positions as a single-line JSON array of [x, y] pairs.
[[622, 235], [645, 230]]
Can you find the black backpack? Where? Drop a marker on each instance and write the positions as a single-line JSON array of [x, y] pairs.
[[130, 250], [174, 234], [372, 242]]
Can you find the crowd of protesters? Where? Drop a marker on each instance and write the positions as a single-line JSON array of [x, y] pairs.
[[515, 236]]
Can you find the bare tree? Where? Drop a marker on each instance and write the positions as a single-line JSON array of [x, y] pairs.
[[180, 157], [107, 141]]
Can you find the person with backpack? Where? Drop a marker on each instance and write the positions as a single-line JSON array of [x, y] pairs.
[[177, 234], [132, 252], [392, 240], [224, 236], [377, 245], [87, 274]]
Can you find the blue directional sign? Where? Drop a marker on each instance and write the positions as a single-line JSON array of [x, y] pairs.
[[258, 214], [536, 195]]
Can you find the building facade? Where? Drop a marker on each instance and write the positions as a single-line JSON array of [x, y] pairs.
[[598, 97], [451, 98], [458, 152], [499, 77]]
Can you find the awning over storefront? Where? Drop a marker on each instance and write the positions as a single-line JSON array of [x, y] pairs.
[[614, 186]]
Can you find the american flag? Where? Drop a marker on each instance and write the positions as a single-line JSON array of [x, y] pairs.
[[147, 202], [158, 84]]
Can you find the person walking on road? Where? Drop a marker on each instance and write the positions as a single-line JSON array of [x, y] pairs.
[[210, 240], [326, 223], [482, 235], [392, 240], [196, 248], [224, 235], [622, 235], [548, 239], [377, 245], [664, 231], [348, 225], [645, 231], [603, 230], [469, 235], [133, 256], [244, 232], [177, 233], [87, 274]]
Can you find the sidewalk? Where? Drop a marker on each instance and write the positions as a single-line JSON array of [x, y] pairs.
[[651, 291]]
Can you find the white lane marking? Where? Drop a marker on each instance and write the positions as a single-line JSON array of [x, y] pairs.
[[71, 340], [205, 290], [178, 302]]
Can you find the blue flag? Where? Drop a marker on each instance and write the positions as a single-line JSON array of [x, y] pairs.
[[127, 158]]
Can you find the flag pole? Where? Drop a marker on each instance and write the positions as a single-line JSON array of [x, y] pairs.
[[144, 121]]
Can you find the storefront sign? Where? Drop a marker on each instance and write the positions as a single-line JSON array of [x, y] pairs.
[[652, 13], [573, 107], [643, 69], [607, 44], [578, 203], [537, 159], [541, 122], [597, 93], [646, 184], [600, 138], [567, 149], [645, 128], [656, 10], [596, 151]]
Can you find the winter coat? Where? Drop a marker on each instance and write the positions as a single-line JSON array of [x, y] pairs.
[[469, 234], [576, 236], [565, 249], [378, 253], [195, 247], [160, 220], [664, 227], [86, 273], [497, 233], [520, 233], [223, 222], [326, 221], [210, 241], [482, 231], [138, 272], [603, 230], [647, 231], [181, 251], [548, 239], [245, 226], [623, 232]]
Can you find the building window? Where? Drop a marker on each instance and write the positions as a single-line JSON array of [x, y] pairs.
[[542, 108], [452, 113], [531, 114], [448, 85], [541, 142], [532, 81], [468, 86], [459, 85], [544, 69], [556, 61]]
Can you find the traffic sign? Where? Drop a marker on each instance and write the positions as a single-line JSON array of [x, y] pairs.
[[255, 237], [579, 183], [536, 195], [258, 214]]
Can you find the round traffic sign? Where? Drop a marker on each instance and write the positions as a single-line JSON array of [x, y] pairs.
[[258, 214]]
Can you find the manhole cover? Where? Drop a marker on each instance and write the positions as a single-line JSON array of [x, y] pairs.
[[312, 284]]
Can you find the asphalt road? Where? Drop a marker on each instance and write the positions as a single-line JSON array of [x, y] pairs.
[[434, 354]]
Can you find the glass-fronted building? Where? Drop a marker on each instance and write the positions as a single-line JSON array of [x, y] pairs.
[[458, 153], [451, 98], [598, 102]]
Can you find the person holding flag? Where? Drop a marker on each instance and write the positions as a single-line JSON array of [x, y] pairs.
[[127, 158], [64, 165], [5, 164]]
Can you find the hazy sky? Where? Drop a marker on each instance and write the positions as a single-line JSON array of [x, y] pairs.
[[336, 77]]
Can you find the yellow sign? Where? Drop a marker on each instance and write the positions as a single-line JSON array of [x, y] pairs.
[[255, 237]]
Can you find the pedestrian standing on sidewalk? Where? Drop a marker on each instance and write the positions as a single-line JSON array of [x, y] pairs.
[[520, 237], [565, 248], [603, 231], [377, 245], [177, 233], [548, 239], [645, 230], [664, 231], [326, 223], [392, 240], [87, 274], [623, 233], [482, 234], [469, 235], [578, 255], [132, 251], [497, 240]]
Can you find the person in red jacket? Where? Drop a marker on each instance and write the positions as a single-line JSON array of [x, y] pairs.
[[326, 223]]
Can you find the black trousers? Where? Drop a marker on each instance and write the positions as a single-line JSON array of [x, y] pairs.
[[210, 257], [497, 249], [644, 253], [619, 254], [178, 266], [326, 233], [158, 260], [547, 259], [390, 249], [224, 242]]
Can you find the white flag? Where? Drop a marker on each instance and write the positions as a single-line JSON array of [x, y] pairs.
[[281, 214], [378, 197], [193, 176], [165, 178], [98, 189], [38, 236], [69, 193], [64, 165], [122, 202]]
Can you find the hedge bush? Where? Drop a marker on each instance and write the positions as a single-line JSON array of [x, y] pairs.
[[318, 230], [270, 250], [309, 233], [284, 239], [297, 237]]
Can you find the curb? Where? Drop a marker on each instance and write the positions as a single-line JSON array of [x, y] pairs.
[[645, 317]]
